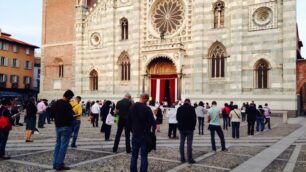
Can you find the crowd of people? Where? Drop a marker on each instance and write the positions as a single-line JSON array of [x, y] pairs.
[[138, 118]]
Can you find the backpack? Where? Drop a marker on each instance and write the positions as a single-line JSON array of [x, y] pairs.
[[224, 112]]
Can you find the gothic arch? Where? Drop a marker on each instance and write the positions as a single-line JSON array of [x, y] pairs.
[[219, 14], [93, 80], [217, 56], [262, 74], [124, 24], [125, 66]]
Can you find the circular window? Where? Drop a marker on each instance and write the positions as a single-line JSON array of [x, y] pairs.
[[167, 16], [262, 16], [95, 39]]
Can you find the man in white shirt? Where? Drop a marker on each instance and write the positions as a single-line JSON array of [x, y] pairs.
[[95, 111], [41, 110]]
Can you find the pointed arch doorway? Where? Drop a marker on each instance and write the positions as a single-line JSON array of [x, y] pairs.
[[163, 80]]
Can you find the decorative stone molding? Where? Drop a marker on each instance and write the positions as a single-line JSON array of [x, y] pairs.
[[263, 16], [95, 40]]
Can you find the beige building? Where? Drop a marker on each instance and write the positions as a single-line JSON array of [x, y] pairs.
[[239, 50]]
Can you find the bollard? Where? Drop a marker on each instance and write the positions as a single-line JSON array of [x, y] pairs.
[[285, 117]]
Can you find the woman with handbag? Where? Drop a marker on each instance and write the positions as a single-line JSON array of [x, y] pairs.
[[5, 127], [235, 116], [30, 119], [106, 110]]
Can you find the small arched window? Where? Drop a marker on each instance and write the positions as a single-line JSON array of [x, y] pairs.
[[261, 73], [124, 29], [217, 54], [59, 64], [218, 8], [93, 80], [125, 66]]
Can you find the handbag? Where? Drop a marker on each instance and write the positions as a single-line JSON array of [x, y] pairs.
[[110, 119], [5, 124], [150, 139]]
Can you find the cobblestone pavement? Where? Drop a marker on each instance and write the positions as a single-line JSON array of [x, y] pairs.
[[94, 154]]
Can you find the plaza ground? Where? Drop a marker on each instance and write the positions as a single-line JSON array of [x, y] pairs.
[[281, 149]]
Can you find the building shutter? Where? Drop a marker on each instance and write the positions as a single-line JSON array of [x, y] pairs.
[[17, 63], [11, 78], [30, 65], [6, 61]]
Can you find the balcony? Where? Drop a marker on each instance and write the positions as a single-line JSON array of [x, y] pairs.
[[14, 85], [27, 86], [2, 84]]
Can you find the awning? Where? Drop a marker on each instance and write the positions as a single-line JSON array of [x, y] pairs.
[[10, 94]]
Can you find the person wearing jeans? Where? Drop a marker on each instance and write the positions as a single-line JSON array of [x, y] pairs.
[[201, 111], [260, 119], [225, 116], [235, 116], [62, 112], [4, 111], [267, 114], [214, 126], [187, 119], [76, 124], [172, 122], [141, 121], [95, 110]]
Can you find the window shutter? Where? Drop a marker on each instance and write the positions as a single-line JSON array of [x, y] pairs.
[[17, 79], [24, 79], [17, 63], [6, 62], [30, 65], [25, 64], [5, 78], [11, 78]]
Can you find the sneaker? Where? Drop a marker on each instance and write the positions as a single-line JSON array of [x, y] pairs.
[[64, 168], [5, 157], [36, 132], [225, 150], [191, 161], [183, 160]]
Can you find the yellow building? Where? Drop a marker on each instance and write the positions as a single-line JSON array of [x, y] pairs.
[[16, 67]]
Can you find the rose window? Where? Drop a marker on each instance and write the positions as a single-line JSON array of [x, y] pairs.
[[262, 16], [168, 16]]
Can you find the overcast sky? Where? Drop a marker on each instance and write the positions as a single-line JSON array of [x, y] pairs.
[[23, 18]]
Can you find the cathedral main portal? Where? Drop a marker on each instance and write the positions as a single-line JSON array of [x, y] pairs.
[[163, 80]]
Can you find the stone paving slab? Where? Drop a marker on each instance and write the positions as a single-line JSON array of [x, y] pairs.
[[224, 160], [300, 167], [245, 150], [302, 156], [287, 153], [21, 152], [196, 168], [122, 163], [276, 166], [6, 166], [73, 156]]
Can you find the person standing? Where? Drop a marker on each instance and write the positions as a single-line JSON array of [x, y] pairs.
[[260, 119], [172, 122], [215, 126], [41, 110], [243, 112], [225, 115], [141, 122], [95, 111], [251, 112], [159, 117], [106, 109], [187, 120], [76, 124], [201, 111], [5, 130], [122, 108], [235, 116], [30, 119], [267, 114], [63, 117]]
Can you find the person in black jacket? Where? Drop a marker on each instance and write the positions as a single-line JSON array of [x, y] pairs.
[[251, 118], [4, 111], [186, 118], [105, 110], [122, 109], [30, 119], [141, 122], [63, 117]]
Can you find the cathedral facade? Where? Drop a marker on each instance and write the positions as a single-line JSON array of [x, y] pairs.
[[223, 50]]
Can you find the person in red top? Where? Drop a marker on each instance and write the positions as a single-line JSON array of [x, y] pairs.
[[225, 114]]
